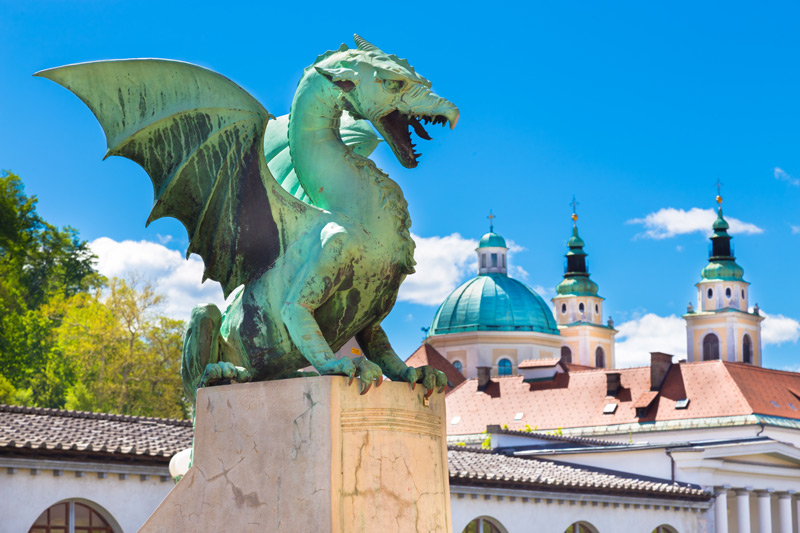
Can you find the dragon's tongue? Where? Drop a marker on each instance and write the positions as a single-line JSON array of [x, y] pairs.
[[418, 129]]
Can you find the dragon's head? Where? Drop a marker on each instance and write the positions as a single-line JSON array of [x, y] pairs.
[[386, 90]]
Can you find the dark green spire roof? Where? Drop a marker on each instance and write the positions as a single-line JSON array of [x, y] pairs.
[[721, 261], [576, 276]]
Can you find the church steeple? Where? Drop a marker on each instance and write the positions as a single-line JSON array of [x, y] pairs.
[[579, 310], [492, 251], [721, 326]]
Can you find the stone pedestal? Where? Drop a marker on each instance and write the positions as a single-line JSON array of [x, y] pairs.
[[311, 454]]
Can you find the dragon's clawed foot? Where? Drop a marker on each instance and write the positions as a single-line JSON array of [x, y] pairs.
[[216, 372], [430, 378], [367, 371]]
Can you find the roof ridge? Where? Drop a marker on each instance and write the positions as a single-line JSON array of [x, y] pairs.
[[52, 411], [739, 364]]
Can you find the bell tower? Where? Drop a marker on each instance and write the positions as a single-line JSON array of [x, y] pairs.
[[579, 310], [721, 327]]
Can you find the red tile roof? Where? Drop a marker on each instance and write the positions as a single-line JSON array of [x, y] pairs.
[[427, 355], [539, 363], [577, 399]]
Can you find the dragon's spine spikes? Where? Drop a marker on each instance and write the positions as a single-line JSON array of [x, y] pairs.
[[362, 44]]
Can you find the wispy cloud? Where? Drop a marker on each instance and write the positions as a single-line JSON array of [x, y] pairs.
[[649, 333], [175, 277], [782, 175], [777, 329], [795, 229], [669, 222], [442, 262]]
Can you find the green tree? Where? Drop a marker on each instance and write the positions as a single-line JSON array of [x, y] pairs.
[[126, 357]]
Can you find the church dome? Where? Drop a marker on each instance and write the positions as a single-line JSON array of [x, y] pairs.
[[492, 240], [493, 302]]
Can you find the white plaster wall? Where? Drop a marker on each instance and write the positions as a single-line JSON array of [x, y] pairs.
[[128, 502], [550, 515]]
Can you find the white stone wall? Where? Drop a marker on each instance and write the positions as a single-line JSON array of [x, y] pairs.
[[527, 512], [124, 495]]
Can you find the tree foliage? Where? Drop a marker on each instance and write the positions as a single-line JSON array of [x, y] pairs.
[[70, 338]]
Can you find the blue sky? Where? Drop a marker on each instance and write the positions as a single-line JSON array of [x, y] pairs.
[[636, 108]]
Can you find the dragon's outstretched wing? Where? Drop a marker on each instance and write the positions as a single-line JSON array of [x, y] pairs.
[[199, 136], [357, 134]]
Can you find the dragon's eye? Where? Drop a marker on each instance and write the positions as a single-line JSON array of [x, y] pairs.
[[393, 86]]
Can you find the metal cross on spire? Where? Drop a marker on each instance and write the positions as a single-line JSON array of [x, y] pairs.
[[574, 203], [491, 218], [719, 192]]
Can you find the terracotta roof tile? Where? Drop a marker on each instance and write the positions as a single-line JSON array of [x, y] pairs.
[[427, 355], [482, 467], [538, 363], [36, 428], [577, 399]]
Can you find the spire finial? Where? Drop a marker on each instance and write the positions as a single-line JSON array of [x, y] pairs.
[[719, 193], [491, 218], [574, 203]]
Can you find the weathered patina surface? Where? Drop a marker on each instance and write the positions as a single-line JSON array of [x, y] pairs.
[[319, 264]]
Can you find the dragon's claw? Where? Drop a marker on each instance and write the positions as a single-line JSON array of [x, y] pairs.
[[431, 379], [214, 373], [368, 373]]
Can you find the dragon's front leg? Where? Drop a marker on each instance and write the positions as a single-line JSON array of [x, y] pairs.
[[316, 281], [378, 349]]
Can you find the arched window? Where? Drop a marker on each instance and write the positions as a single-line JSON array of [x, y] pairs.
[[566, 354], [710, 347], [581, 527], [458, 366], [665, 529], [599, 358], [727, 292], [563, 308], [56, 519], [581, 307], [484, 525], [747, 350], [504, 367]]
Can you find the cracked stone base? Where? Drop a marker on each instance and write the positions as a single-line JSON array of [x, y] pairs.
[[311, 454]]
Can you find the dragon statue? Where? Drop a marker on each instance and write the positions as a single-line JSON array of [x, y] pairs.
[[314, 231]]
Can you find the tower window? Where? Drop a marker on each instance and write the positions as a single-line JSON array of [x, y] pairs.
[[599, 358], [742, 294], [710, 294], [563, 308], [494, 260], [503, 257], [580, 307], [504, 367], [710, 347], [458, 366], [728, 292], [596, 309], [747, 350], [483, 260], [566, 354]]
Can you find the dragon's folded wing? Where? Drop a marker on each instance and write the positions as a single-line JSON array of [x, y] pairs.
[[199, 136], [357, 134]]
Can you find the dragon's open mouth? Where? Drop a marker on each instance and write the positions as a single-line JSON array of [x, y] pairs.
[[396, 129]]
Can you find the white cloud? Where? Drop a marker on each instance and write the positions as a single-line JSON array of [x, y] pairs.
[[795, 229], [669, 222], [649, 333], [442, 262], [175, 277], [777, 329], [782, 175]]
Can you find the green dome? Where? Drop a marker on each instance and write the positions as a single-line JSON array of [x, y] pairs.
[[723, 270], [577, 286], [493, 302], [492, 240]]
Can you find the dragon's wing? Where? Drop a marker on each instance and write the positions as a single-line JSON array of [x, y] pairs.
[[199, 136], [357, 134]]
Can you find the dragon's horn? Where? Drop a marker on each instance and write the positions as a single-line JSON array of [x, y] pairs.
[[362, 44]]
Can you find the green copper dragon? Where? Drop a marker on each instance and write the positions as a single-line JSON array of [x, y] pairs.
[[321, 253]]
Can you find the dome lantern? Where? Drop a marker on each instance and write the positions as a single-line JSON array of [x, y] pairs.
[[492, 252]]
